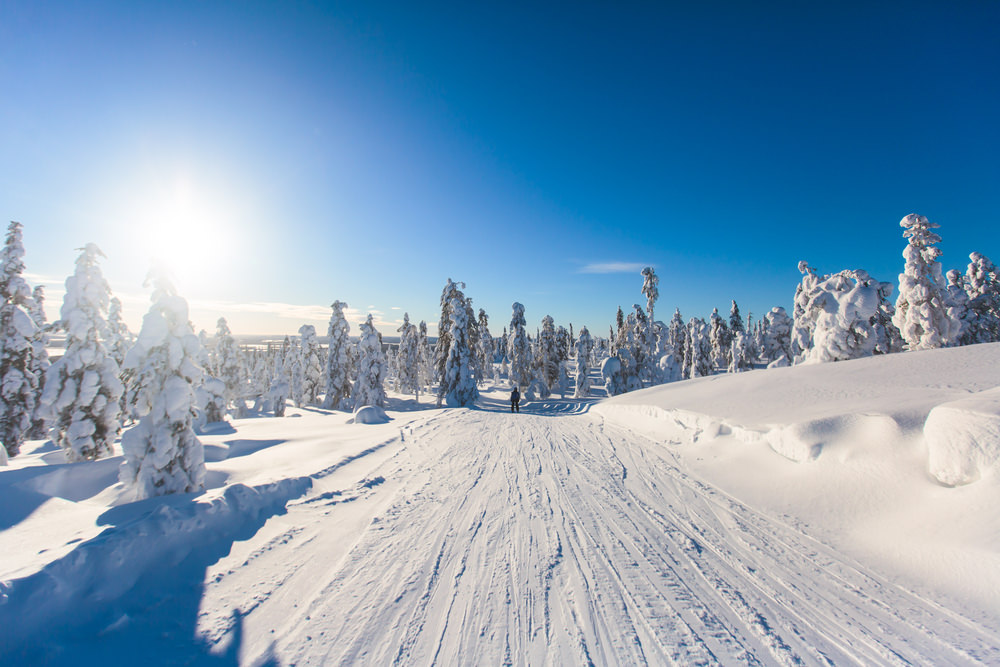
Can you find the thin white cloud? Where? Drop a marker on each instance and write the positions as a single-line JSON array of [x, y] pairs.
[[613, 267]]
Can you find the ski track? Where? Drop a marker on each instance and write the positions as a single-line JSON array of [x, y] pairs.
[[553, 537]]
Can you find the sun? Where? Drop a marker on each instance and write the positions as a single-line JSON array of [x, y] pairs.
[[185, 228]]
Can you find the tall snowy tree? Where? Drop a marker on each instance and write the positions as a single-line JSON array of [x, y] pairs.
[[426, 355], [227, 361], [457, 383], [311, 354], [777, 338], [982, 285], [18, 385], [339, 361], [519, 349], [803, 323], [676, 335], [735, 319], [369, 388], [83, 389], [700, 364], [162, 453], [40, 363], [650, 281], [584, 348], [922, 313], [408, 359], [548, 357], [720, 339], [485, 351]]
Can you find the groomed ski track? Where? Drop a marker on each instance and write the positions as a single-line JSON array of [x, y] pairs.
[[554, 537]]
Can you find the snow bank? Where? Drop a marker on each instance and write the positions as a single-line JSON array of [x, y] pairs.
[[149, 538], [963, 438], [804, 411], [369, 414]]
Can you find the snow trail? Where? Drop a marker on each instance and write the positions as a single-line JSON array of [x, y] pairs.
[[554, 537]]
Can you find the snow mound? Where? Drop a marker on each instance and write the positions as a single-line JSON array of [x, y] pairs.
[[369, 414], [963, 438]]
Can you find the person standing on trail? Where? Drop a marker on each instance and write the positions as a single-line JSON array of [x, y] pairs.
[[515, 400]]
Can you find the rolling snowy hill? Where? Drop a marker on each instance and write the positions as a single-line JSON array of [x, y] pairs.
[[780, 516]]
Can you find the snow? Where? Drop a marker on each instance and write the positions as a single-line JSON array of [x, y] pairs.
[[963, 438], [659, 526]]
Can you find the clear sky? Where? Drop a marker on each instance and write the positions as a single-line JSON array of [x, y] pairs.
[[283, 155]]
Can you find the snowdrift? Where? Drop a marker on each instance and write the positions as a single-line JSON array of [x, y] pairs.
[[804, 412]]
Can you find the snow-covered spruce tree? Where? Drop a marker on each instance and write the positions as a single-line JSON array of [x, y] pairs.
[[739, 354], [519, 349], [777, 338], [369, 388], [278, 391], [408, 359], [957, 300], [485, 351], [611, 373], [922, 313], [18, 385], [735, 319], [584, 348], [227, 361], [982, 286], [82, 389], [295, 372], [426, 356], [700, 363], [40, 363], [888, 340], [803, 314], [842, 308], [339, 361], [677, 335], [162, 453], [312, 364], [720, 340], [562, 344], [650, 290], [548, 357], [457, 383]]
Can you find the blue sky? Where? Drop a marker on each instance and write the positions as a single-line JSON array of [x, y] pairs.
[[283, 155]]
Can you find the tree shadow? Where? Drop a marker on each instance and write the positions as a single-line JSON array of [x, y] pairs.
[[135, 589]]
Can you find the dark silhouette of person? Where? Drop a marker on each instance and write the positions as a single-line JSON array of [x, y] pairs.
[[515, 400]]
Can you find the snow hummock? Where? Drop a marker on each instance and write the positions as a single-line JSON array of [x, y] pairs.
[[963, 438], [369, 414]]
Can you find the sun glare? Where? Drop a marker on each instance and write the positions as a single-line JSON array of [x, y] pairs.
[[185, 229]]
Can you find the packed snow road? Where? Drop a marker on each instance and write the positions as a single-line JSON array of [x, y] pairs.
[[553, 537]]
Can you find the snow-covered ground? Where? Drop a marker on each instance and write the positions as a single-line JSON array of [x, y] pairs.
[[780, 516]]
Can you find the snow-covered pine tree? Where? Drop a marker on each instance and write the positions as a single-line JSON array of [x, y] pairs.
[[562, 343], [677, 335], [369, 388], [888, 340], [18, 385], [278, 391], [777, 338], [720, 340], [82, 389], [548, 356], [162, 453], [922, 313], [739, 354], [227, 361], [519, 349], [408, 359], [457, 383], [804, 314], [312, 364], [40, 363], [841, 308], [426, 374], [339, 361], [650, 281], [735, 319], [584, 348], [486, 351], [295, 372], [700, 364], [982, 286]]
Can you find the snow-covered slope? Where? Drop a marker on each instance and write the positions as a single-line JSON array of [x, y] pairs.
[[661, 526]]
